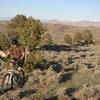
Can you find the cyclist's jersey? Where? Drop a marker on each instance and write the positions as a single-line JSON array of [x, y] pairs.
[[16, 51]]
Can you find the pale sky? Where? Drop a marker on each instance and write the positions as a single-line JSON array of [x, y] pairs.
[[66, 10]]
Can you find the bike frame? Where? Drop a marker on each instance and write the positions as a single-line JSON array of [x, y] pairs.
[[11, 72]]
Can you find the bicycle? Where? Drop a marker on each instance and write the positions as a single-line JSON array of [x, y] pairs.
[[12, 79]]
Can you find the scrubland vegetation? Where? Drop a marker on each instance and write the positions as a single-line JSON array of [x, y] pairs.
[[66, 68]]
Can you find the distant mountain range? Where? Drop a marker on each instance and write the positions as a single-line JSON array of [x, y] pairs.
[[5, 18], [71, 23], [75, 23]]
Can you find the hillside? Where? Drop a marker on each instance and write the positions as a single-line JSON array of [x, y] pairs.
[[3, 25], [58, 31], [69, 73], [75, 23]]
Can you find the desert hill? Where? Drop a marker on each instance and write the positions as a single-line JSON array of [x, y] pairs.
[[75, 23], [58, 31], [71, 74], [3, 25]]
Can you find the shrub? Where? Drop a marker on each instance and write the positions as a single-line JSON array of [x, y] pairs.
[[4, 41], [29, 32], [17, 23], [46, 40], [30, 37], [78, 37], [33, 60], [87, 37], [49, 39], [14, 29], [68, 39]]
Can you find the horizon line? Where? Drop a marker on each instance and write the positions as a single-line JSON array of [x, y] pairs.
[[9, 18]]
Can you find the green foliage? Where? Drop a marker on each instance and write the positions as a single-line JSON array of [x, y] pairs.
[[68, 39], [12, 34], [31, 34], [30, 37], [33, 60], [46, 39], [49, 40], [13, 31], [87, 37], [17, 23], [78, 37], [15, 26]]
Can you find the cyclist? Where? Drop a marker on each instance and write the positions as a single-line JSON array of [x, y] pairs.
[[18, 53]]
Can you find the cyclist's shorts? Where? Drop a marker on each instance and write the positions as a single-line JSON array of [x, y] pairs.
[[20, 62]]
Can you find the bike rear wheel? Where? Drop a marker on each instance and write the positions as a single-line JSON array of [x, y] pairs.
[[21, 77], [15, 81], [6, 84]]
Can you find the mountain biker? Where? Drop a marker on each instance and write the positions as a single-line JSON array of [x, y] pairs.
[[18, 53]]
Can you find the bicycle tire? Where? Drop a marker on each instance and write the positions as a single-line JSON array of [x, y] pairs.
[[21, 78], [5, 86], [15, 81]]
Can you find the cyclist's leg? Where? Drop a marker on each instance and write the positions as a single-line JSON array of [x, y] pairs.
[[21, 73], [13, 61], [20, 65]]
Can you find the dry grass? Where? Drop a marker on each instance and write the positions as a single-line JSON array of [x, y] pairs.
[[66, 70], [58, 31], [3, 25]]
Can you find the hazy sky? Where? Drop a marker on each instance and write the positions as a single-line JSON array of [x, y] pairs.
[[66, 10]]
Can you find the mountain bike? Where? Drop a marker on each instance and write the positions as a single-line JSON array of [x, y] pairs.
[[12, 79]]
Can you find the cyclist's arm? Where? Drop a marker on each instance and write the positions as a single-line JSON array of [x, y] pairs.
[[9, 51], [23, 55]]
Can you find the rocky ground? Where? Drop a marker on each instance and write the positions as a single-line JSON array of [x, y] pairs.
[[70, 75]]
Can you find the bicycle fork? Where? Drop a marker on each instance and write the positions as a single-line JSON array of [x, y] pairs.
[[9, 78]]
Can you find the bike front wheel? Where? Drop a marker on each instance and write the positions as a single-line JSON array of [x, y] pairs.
[[6, 84]]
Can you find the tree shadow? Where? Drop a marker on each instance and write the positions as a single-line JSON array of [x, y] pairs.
[[5, 90], [73, 98], [26, 93], [55, 66], [65, 77], [89, 65], [52, 98], [69, 91], [62, 47], [68, 69], [56, 48]]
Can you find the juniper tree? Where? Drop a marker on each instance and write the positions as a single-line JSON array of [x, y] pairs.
[[78, 37], [31, 34], [87, 37], [68, 39], [15, 26], [30, 37]]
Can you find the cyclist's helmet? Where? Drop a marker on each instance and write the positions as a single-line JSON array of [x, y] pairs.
[[14, 41]]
